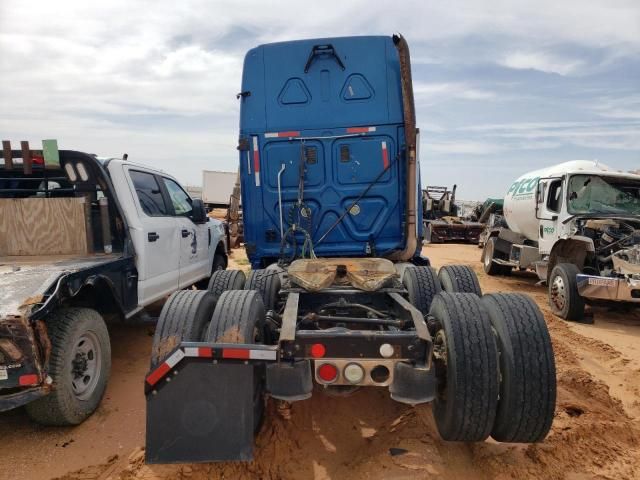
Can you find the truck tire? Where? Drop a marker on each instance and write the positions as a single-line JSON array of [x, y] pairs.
[[466, 363], [564, 299], [459, 279], [267, 283], [79, 365], [527, 369], [184, 318], [422, 285], [223, 280], [488, 254], [239, 318]]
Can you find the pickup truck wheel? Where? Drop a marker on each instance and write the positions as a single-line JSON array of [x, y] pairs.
[[459, 279], [564, 299], [79, 365], [184, 317], [267, 283], [239, 318], [466, 365], [223, 280], [219, 263], [527, 369], [422, 285]]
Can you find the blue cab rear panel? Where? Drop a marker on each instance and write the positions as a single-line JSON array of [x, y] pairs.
[[332, 129]]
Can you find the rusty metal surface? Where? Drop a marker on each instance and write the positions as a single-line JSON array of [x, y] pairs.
[[24, 280], [369, 274]]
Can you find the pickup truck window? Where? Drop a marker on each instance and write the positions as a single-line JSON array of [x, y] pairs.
[[179, 198], [149, 193]]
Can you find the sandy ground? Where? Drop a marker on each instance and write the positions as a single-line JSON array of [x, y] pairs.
[[595, 435]]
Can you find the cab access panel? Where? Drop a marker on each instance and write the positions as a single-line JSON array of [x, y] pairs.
[[326, 116]]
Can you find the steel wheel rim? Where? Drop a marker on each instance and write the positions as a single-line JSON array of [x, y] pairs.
[[558, 293], [488, 254], [86, 365]]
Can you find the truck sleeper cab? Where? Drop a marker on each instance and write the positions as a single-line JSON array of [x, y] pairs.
[[339, 297]]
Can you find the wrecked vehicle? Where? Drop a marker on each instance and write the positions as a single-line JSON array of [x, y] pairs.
[[577, 225], [441, 220], [83, 240]]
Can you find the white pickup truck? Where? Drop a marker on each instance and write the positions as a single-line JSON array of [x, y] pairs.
[[82, 240]]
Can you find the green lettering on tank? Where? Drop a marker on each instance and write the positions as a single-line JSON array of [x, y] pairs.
[[548, 230], [523, 188]]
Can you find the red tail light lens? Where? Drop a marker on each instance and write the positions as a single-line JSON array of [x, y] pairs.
[[327, 372], [318, 350]]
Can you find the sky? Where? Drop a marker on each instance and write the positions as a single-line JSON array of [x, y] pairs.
[[501, 87]]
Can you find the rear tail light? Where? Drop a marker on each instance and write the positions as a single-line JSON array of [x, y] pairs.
[[327, 372], [318, 350], [354, 373]]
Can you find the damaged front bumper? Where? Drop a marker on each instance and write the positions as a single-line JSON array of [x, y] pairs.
[[607, 288]]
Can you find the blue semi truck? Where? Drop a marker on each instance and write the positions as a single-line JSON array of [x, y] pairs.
[[339, 296]]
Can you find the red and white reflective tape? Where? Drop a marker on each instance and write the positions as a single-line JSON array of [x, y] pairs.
[[199, 352], [361, 129], [256, 161], [208, 352], [289, 134], [246, 354], [165, 367], [385, 155]]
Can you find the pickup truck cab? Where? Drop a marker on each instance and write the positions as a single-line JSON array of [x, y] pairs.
[[85, 239]]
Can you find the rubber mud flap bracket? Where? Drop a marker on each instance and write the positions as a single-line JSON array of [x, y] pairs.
[[204, 414], [413, 385], [290, 382]]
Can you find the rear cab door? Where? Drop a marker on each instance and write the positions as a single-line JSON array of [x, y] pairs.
[[195, 239]]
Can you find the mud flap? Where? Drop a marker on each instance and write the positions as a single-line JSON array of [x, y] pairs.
[[203, 414]]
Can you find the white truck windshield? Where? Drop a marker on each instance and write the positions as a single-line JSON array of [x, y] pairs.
[[603, 194]]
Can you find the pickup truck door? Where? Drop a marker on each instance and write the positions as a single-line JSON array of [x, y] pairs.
[[195, 261], [155, 237]]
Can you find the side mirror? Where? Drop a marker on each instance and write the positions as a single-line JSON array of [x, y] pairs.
[[199, 213]]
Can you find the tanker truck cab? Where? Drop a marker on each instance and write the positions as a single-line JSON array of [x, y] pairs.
[[338, 297], [584, 239]]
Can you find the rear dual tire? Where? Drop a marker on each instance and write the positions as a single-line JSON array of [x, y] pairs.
[[239, 318], [495, 368]]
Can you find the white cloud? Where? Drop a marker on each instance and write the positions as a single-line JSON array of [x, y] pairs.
[[158, 78], [541, 61]]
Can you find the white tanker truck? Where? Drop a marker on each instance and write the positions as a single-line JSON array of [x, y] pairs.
[[577, 225]]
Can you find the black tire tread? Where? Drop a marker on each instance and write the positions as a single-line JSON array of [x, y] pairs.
[[525, 412], [57, 408], [472, 353], [422, 284], [223, 280], [460, 279], [267, 283], [236, 308], [183, 318]]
